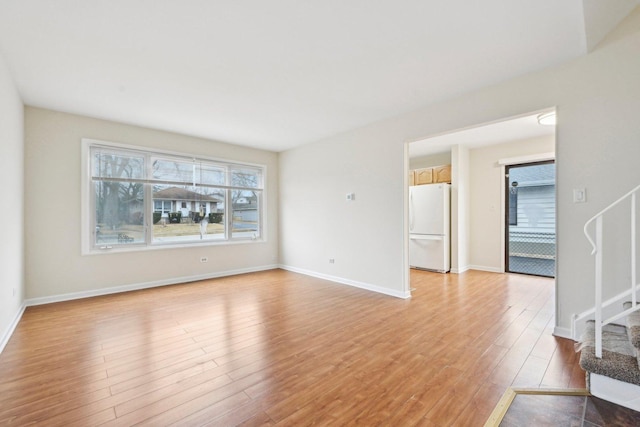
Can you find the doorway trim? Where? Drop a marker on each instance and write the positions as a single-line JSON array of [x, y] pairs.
[[534, 158], [407, 161]]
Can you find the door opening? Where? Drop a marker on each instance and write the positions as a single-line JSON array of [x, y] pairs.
[[530, 218]]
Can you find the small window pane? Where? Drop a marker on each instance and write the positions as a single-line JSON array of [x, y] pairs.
[[119, 213], [173, 170], [111, 164], [245, 206], [210, 174], [513, 206], [246, 177]]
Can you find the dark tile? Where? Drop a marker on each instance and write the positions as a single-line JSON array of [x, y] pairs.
[[544, 410], [565, 410], [603, 413]]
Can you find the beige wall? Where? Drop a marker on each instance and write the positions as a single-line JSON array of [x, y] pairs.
[[12, 287], [487, 201], [597, 99], [54, 265], [436, 159]]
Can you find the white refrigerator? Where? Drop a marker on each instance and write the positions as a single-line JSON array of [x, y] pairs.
[[429, 229]]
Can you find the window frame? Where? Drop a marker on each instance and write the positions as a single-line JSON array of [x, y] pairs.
[[88, 200]]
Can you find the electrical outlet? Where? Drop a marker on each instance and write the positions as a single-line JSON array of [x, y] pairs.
[[332, 261], [204, 259]]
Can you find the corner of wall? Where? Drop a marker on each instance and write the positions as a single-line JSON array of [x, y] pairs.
[[12, 252], [6, 336]]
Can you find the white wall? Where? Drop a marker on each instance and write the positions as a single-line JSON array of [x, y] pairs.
[[597, 147], [460, 209], [320, 224], [436, 159], [486, 199], [12, 285], [54, 265]]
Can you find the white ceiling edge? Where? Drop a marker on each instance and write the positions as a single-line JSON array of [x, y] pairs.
[[508, 130], [601, 17]]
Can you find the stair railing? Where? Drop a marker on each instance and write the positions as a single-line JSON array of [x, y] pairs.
[[597, 245]]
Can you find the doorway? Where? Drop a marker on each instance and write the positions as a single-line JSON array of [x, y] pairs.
[[530, 218]]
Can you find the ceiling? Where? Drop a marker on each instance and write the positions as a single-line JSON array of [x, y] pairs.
[[277, 74], [516, 129]]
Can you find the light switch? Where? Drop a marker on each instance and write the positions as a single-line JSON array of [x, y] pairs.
[[351, 196], [579, 195]]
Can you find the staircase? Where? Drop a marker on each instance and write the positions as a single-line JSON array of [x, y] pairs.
[[609, 333]]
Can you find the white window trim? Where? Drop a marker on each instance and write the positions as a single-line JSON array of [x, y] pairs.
[[542, 157], [86, 202]]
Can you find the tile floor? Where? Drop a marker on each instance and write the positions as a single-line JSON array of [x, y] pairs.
[[563, 410]]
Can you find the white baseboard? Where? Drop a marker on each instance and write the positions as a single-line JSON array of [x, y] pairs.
[[485, 268], [12, 327], [361, 285], [562, 332], [145, 285], [460, 270]]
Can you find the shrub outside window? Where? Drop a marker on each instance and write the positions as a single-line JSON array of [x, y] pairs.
[[139, 198]]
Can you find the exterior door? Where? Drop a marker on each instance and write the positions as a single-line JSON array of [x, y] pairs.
[[530, 217]]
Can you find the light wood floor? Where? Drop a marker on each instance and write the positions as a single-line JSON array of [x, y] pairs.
[[279, 348]]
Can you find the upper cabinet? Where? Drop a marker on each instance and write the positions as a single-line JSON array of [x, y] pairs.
[[436, 174], [442, 174], [423, 176]]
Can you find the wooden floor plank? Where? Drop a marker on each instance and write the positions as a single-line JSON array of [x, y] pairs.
[[279, 348]]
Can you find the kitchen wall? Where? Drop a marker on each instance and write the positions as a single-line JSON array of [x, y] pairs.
[[436, 159], [12, 284], [597, 98], [54, 265], [476, 198], [487, 199]]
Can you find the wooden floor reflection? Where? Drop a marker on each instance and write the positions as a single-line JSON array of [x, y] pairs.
[[280, 348]]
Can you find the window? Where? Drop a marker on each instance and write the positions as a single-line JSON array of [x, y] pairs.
[[138, 198], [513, 206], [162, 206]]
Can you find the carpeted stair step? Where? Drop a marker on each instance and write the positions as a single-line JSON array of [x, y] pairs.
[[618, 355], [633, 326]]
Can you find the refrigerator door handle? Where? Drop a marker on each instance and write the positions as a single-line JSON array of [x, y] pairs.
[[426, 237]]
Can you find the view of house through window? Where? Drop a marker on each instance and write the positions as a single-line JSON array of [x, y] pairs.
[[146, 198]]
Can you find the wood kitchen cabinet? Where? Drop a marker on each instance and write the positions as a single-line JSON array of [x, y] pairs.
[[436, 174], [442, 173], [423, 176]]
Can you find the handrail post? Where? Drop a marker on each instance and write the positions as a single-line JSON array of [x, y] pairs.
[[598, 302], [633, 250]]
